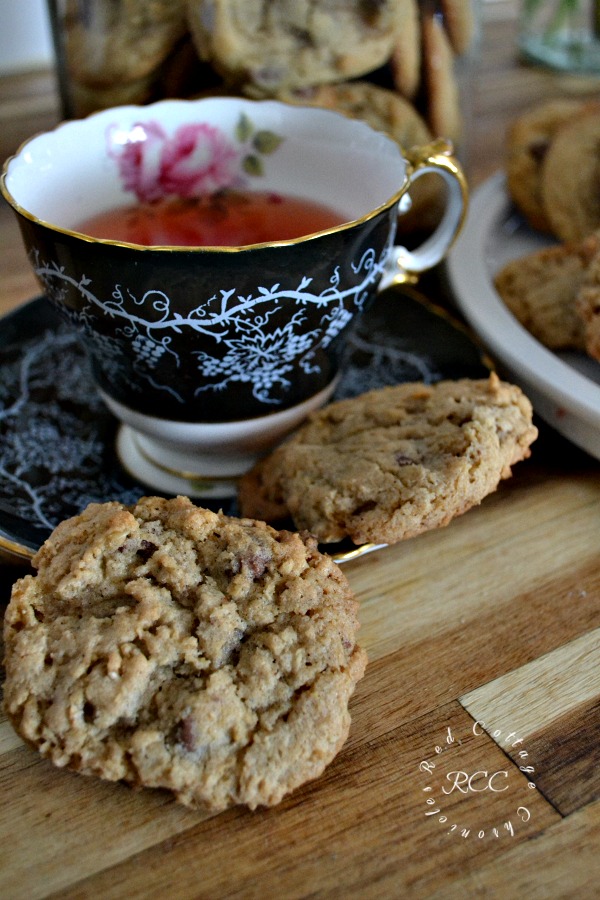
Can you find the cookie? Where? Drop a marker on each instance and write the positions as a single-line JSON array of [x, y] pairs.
[[267, 504], [386, 111], [540, 289], [295, 43], [115, 51], [527, 141], [379, 107], [459, 22], [571, 177], [168, 646], [405, 61], [397, 461], [444, 115], [587, 305]]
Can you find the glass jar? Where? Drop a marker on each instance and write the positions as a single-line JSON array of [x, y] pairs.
[[561, 34], [113, 52]]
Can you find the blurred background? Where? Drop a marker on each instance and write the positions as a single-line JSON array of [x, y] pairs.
[[25, 38]]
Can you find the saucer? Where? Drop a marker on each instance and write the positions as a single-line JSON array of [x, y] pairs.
[[564, 387], [58, 439]]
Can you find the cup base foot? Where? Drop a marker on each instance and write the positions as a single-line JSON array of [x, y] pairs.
[[168, 480], [202, 459]]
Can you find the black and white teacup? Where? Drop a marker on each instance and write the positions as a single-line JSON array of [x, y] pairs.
[[209, 355]]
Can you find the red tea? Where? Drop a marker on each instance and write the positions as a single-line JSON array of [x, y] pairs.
[[226, 219]]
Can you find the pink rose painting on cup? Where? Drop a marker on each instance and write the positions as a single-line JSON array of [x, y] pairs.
[[198, 159]]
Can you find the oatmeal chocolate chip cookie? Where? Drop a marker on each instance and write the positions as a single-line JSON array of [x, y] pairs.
[[386, 111], [277, 44], [528, 139], [588, 306], [169, 646], [266, 504], [398, 461], [571, 177], [382, 109], [540, 289]]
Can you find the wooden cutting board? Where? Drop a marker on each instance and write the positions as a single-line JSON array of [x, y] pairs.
[[495, 619]]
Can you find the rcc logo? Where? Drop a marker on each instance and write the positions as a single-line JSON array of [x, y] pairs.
[[477, 783]]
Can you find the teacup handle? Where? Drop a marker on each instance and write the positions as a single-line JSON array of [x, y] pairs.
[[406, 265]]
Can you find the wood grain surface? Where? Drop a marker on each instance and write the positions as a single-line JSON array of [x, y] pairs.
[[472, 767]]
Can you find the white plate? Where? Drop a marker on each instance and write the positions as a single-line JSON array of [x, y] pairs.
[[563, 387]]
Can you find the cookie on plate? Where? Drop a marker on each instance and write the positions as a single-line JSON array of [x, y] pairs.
[[168, 646], [397, 461], [571, 177], [588, 307], [294, 44], [528, 139], [541, 288]]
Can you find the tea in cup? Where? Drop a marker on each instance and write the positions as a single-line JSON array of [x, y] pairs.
[[213, 255]]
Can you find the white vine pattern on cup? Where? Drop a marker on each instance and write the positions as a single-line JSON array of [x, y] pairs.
[[258, 351]]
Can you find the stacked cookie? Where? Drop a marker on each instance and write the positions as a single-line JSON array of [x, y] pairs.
[[274, 48], [552, 167], [553, 177], [140, 50]]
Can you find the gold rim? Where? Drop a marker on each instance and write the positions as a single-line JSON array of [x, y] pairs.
[[13, 548], [349, 555], [345, 226], [25, 554], [182, 473], [208, 248]]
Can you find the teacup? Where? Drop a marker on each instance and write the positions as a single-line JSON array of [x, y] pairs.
[[209, 355]]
